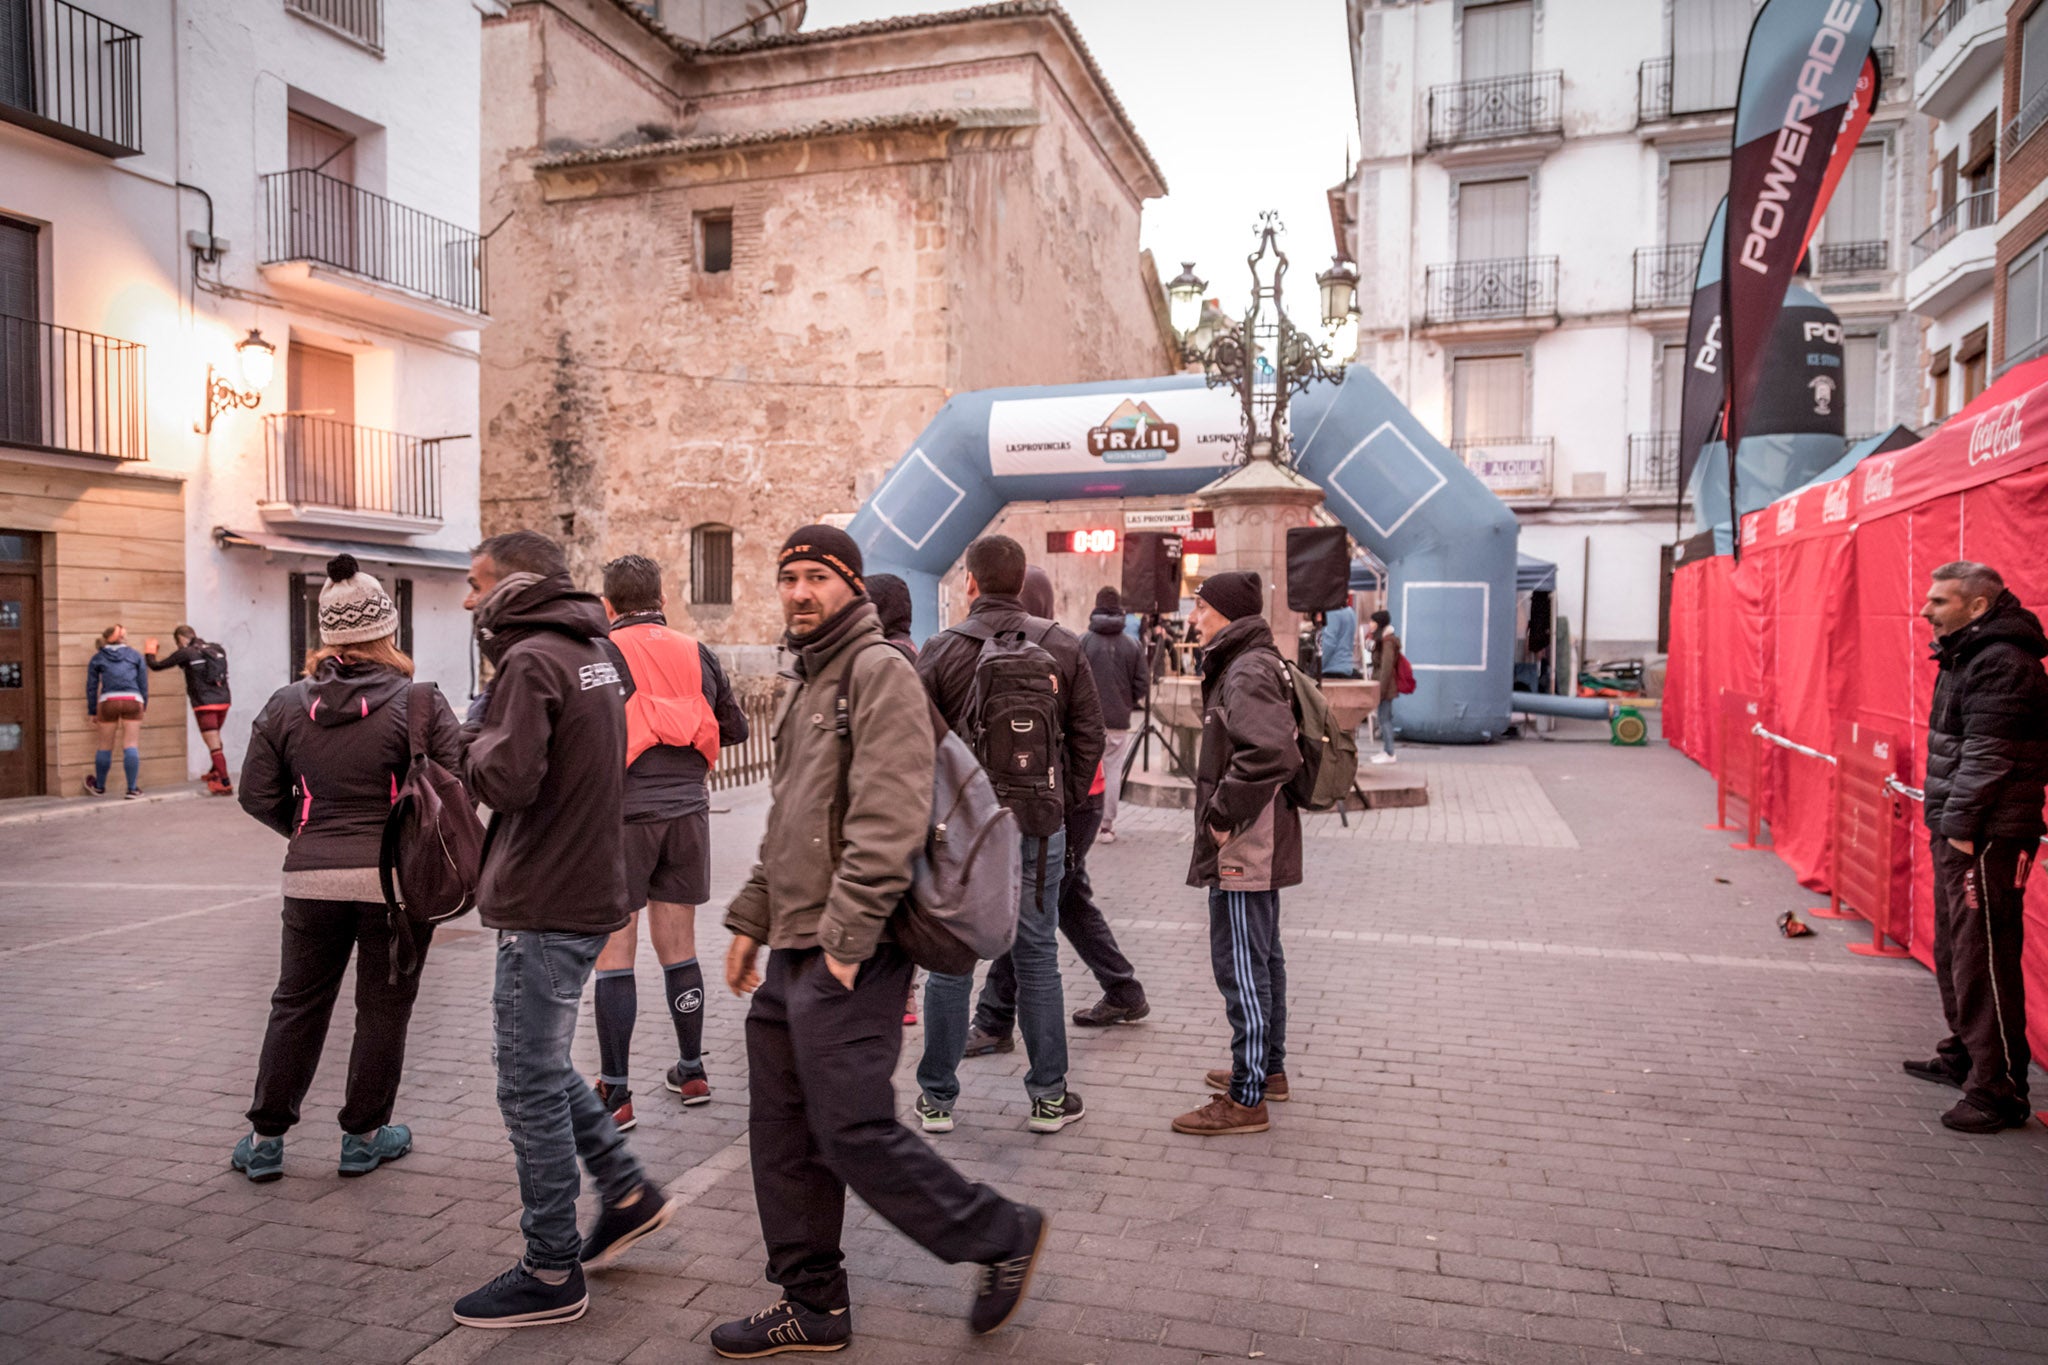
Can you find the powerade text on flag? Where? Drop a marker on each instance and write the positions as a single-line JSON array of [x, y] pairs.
[[1705, 391], [1799, 83]]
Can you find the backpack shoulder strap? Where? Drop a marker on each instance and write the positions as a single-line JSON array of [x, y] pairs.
[[419, 716], [976, 628], [1036, 628]]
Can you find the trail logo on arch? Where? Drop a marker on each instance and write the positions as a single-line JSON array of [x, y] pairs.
[[1078, 433]]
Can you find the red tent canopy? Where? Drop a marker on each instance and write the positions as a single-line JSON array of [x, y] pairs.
[[1820, 624]]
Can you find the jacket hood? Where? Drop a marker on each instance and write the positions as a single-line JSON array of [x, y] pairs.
[[1106, 622], [550, 603], [344, 693], [2007, 621]]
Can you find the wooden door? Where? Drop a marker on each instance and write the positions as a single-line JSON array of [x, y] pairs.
[[21, 341], [325, 210], [320, 436], [21, 672]]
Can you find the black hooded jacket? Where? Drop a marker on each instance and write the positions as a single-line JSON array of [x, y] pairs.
[[206, 671], [1987, 732], [549, 759], [325, 758], [1118, 664]]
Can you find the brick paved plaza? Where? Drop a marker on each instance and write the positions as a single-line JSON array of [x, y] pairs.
[[1561, 1094]]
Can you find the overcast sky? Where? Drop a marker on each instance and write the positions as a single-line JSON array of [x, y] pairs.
[[1245, 107]]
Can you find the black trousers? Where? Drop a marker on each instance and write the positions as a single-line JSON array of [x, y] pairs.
[[319, 937], [1084, 926], [1979, 923], [821, 1060]]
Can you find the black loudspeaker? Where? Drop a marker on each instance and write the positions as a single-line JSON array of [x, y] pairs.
[[1151, 572], [1318, 568]]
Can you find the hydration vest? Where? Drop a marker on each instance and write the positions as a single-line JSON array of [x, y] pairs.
[[668, 705]]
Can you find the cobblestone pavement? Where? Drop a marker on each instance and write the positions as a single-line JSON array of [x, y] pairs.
[[1561, 1094]]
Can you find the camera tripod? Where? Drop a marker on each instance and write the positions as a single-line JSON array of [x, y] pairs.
[[1151, 727]]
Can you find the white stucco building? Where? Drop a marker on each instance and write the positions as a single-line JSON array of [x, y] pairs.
[[1534, 181], [1957, 88], [176, 175]]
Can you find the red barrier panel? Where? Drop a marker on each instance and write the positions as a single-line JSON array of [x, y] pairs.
[[1866, 818], [1740, 767]]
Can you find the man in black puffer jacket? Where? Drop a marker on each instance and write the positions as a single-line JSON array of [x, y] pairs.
[[1120, 682], [1987, 767], [549, 758]]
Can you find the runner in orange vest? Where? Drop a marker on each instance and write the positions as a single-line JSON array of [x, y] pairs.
[[679, 710]]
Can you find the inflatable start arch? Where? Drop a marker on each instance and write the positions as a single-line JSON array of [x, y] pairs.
[[1448, 543]]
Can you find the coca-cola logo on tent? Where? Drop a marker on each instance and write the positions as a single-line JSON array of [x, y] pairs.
[[1997, 433]]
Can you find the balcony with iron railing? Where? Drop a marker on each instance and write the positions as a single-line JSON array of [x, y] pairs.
[[1665, 275], [322, 472], [1961, 47], [71, 392], [1955, 256], [69, 74], [361, 21], [2025, 123], [1851, 258], [1653, 465], [1523, 106], [1655, 100], [1482, 291], [328, 238], [1944, 23], [1515, 469]]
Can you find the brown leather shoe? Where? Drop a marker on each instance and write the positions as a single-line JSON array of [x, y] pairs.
[[1222, 1116], [1276, 1084]]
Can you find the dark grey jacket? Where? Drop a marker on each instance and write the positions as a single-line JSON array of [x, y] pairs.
[[1987, 732], [1118, 663], [1249, 752], [326, 755], [947, 663]]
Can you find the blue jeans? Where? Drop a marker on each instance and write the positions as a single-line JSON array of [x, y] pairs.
[[1384, 722], [551, 1113], [1041, 1005]]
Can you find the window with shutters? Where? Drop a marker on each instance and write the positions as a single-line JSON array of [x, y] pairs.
[[711, 565], [1937, 385], [20, 348], [1489, 397], [2023, 303], [1707, 41], [1859, 385], [2033, 94], [1498, 40], [714, 242], [1973, 355], [1695, 189], [1493, 219]]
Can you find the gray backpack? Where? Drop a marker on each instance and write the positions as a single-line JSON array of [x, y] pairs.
[[962, 905]]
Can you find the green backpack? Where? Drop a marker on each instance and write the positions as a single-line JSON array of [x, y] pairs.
[[1329, 753]]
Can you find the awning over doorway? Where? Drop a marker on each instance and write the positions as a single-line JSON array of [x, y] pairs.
[[370, 552]]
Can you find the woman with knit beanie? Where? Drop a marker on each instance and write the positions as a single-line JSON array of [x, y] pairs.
[[325, 757]]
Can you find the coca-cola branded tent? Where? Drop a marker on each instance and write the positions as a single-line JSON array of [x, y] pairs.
[[1820, 624]]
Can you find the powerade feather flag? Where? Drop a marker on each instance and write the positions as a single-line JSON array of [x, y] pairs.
[[1705, 391], [1800, 78]]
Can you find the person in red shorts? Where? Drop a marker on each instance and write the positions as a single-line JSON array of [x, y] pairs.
[[206, 685]]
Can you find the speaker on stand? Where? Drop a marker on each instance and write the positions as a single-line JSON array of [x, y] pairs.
[[1151, 587]]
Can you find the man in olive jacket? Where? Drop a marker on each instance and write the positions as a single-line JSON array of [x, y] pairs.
[[847, 816], [1987, 765], [1247, 846], [548, 756]]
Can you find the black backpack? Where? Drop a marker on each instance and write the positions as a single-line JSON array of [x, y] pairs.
[[212, 665], [1012, 722], [431, 862]]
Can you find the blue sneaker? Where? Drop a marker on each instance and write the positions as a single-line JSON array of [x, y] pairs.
[[261, 1159], [360, 1157]]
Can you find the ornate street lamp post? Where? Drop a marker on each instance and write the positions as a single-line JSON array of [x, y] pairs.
[[1266, 359]]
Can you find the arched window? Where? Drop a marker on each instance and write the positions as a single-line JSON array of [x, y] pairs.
[[711, 564]]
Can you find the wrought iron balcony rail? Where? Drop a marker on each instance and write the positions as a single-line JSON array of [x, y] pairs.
[[1468, 291], [73, 392], [319, 462], [1516, 468], [1971, 211], [1653, 462], [1851, 258], [1654, 100], [1507, 106], [1943, 24], [2026, 122], [72, 75], [314, 217], [362, 20], [1665, 274]]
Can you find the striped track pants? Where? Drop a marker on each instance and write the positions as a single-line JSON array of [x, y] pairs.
[[1251, 971]]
